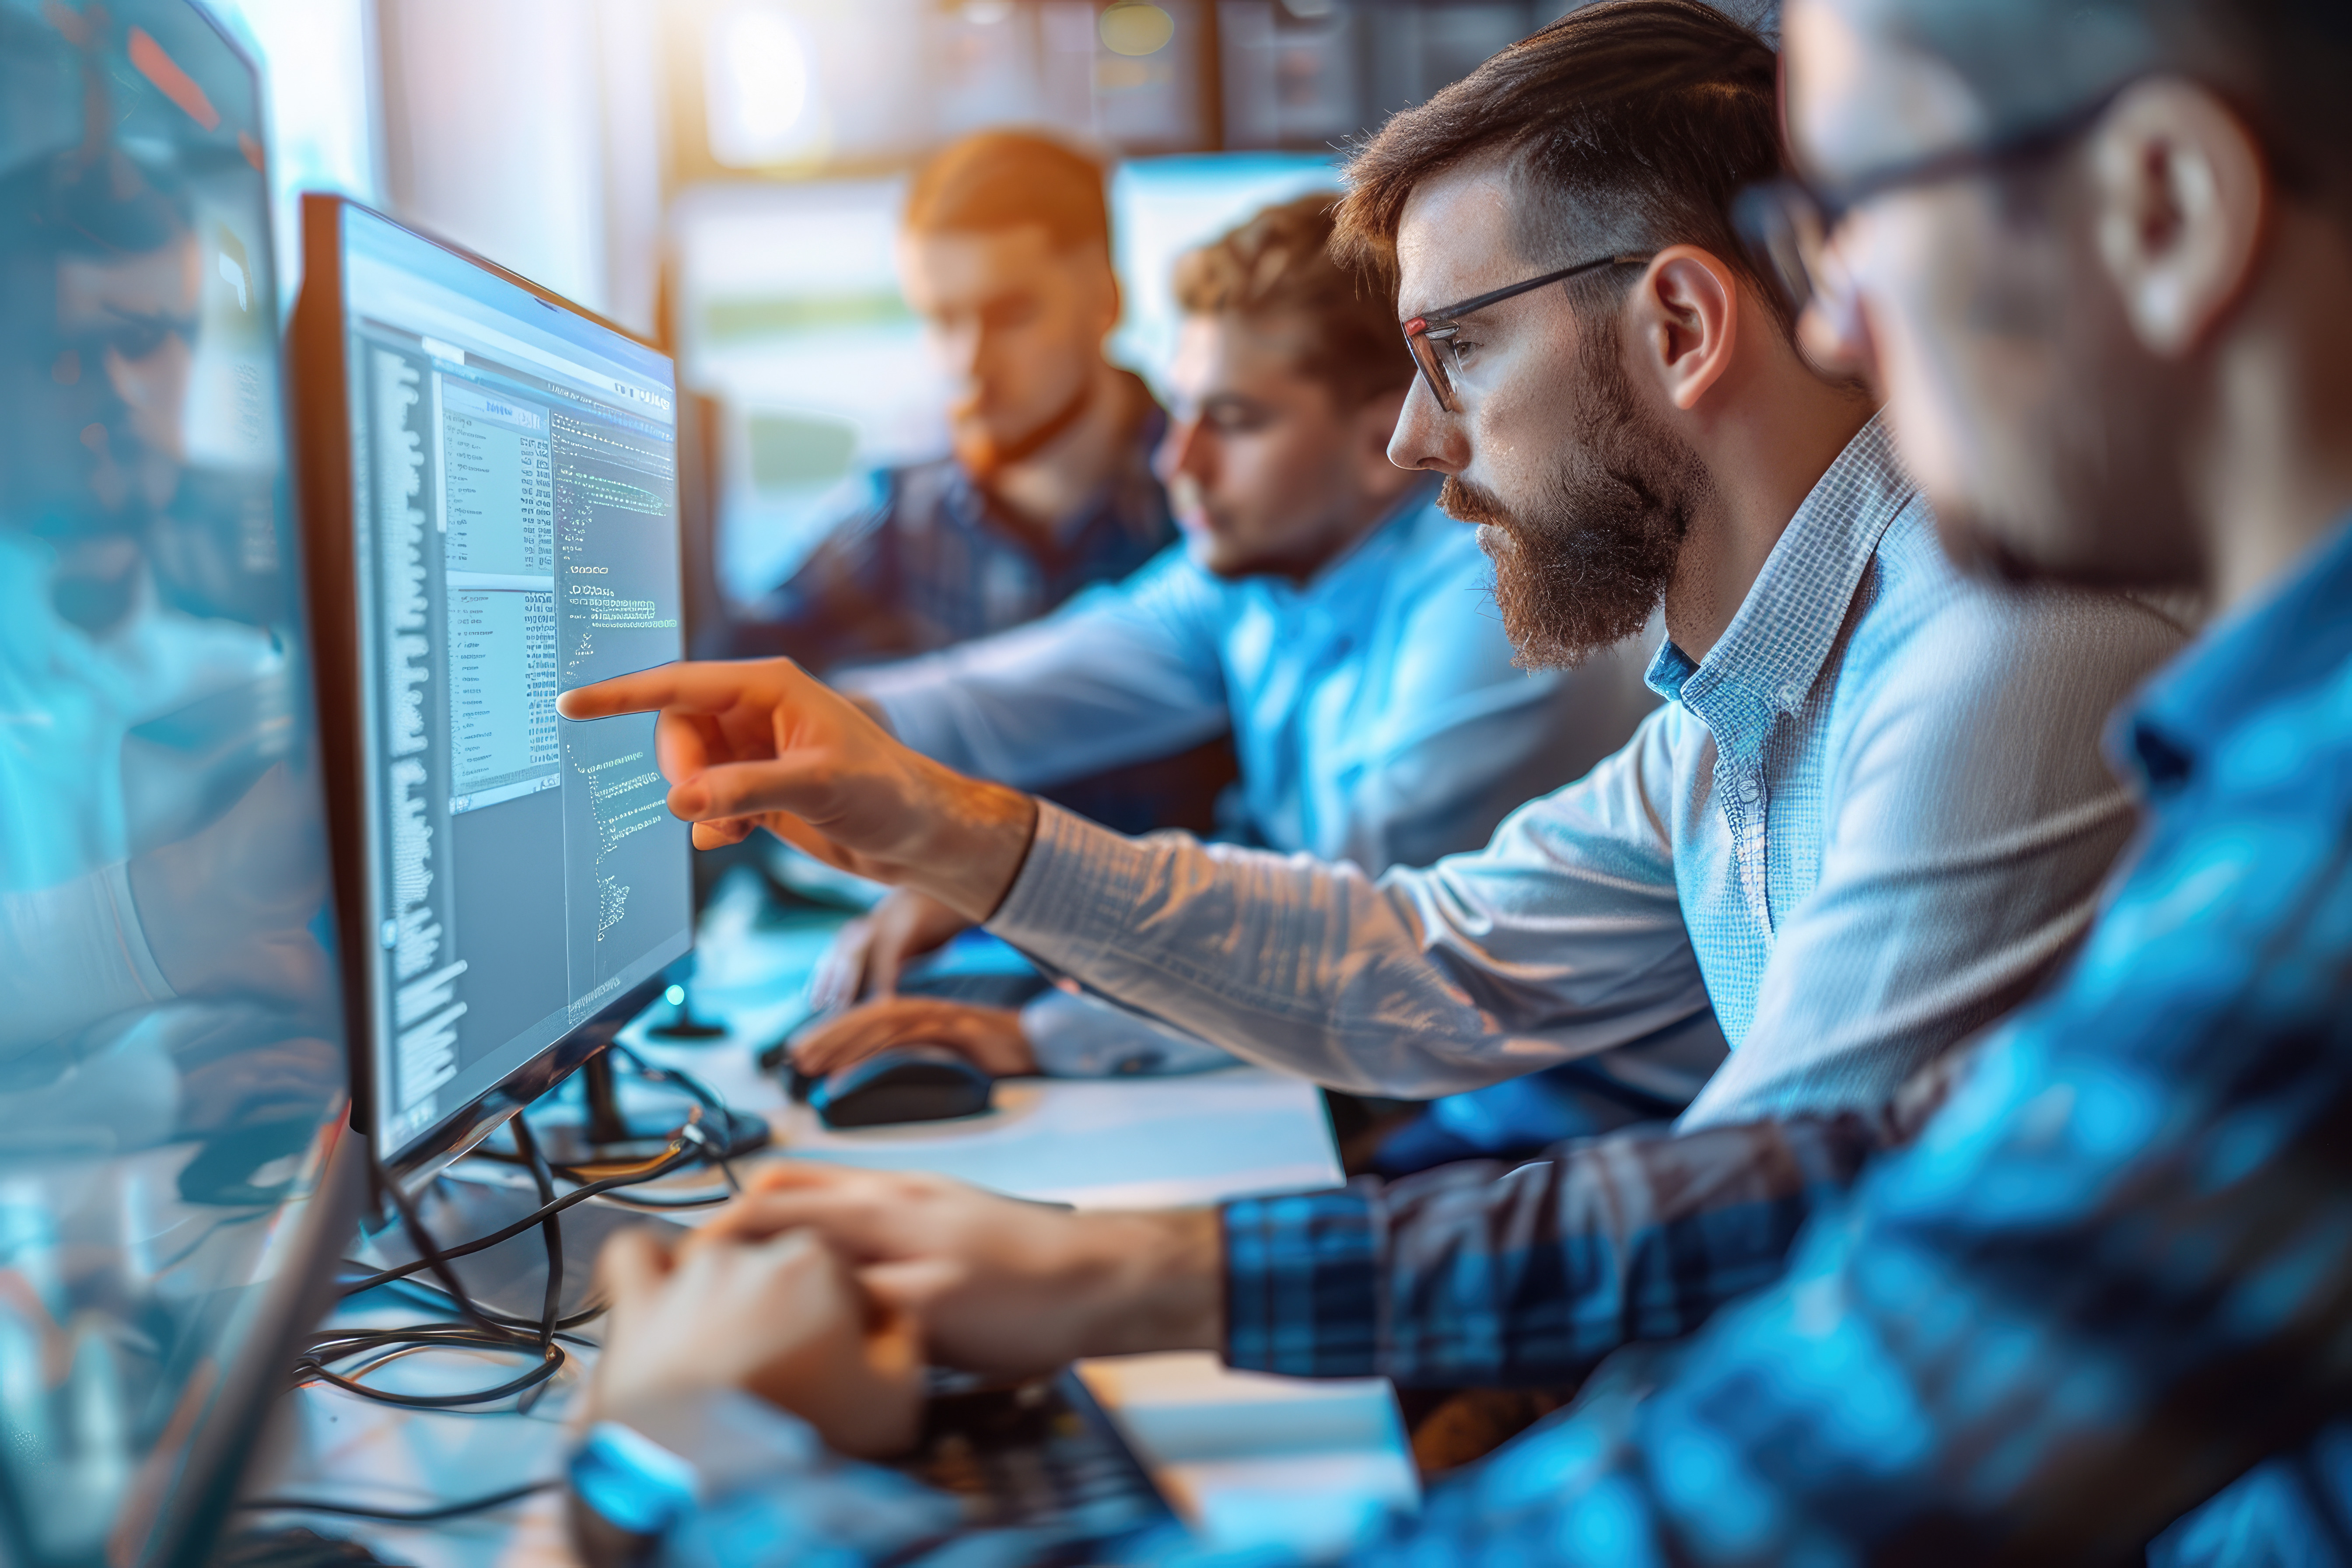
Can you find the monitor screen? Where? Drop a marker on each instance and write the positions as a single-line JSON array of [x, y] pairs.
[[511, 504], [172, 1047]]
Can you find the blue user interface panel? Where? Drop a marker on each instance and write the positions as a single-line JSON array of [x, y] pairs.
[[516, 506]]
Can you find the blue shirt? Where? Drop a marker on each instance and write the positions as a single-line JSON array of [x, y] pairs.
[[2113, 1273]]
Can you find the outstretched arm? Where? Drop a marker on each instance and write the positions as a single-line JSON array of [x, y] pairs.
[[765, 745], [1563, 937]]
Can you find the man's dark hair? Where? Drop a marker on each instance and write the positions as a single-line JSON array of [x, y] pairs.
[[2284, 65], [1279, 264], [998, 180], [1629, 125]]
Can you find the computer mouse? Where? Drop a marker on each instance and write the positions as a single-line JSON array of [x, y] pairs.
[[905, 1083]]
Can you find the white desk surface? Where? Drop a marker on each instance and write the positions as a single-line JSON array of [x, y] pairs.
[[1246, 1457]]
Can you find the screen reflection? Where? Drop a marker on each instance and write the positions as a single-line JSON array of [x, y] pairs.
[[171, 1066]]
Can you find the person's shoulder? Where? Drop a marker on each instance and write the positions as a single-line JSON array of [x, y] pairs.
[[1926, 625], [1172, 581]]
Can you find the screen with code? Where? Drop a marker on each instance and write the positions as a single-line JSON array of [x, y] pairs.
[[516, 510]]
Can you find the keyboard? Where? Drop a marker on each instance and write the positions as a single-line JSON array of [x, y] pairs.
[[1039, 1454]]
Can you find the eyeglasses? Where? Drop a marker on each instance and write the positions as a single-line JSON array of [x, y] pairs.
[[1424, 333], [1790, 224]]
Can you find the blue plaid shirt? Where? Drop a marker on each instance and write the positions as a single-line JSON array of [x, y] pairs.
[[2112, 1278]]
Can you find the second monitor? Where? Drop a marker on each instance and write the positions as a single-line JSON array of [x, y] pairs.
[[492, 489]]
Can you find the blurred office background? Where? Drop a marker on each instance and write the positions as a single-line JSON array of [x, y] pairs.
[[723, 175]]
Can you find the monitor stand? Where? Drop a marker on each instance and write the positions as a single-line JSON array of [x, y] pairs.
[[684, 1023], [596, 1130], [510, 1278], [607, 1135]]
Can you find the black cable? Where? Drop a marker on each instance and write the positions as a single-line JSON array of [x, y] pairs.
[[551, 1303], [495, 1332], [489, 1334], [433, 1299], [396, 1516], [678, 1155]]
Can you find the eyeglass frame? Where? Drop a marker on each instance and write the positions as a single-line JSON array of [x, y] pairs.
[[1833, 204], [1432, 327]]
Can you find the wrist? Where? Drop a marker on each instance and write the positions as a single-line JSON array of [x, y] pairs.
[[979, 840], [1149, 1282]]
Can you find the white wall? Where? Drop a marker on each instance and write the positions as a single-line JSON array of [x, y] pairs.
[[494, 136]]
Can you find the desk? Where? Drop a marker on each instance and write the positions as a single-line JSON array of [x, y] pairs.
[[1247, 1457]]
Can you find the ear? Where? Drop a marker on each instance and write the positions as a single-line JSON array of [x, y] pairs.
[[1685, 318], [2179, 195]]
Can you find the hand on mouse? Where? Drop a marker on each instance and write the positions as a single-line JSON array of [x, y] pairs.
[[779, 1315], [991, 1038], [1001, 1286], [869, 953], [763, 744]]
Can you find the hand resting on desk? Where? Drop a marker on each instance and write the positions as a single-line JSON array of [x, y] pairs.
[[762, 743], [991, 1038], [999, 1286]]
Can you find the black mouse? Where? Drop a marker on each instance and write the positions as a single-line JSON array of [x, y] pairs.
[[905, 1083]]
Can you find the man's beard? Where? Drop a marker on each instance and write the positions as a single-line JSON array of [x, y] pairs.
[[1582, 569]]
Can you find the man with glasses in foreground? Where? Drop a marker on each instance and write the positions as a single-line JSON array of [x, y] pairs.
[[1872, 813], [2109, 1279]]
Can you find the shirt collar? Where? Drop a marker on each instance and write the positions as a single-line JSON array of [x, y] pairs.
[[2294, 635], [1769, 657]]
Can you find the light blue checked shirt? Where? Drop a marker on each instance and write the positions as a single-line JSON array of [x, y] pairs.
[[1868, 823]]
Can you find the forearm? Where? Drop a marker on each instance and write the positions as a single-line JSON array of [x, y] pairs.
[[1481, 1275], [963, 845], [1318, 969], [1142, 1282]]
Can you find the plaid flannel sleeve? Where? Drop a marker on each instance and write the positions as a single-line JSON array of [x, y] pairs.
[[1484, 1275]]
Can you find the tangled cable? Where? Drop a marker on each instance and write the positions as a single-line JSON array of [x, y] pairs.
[[480, 1329]]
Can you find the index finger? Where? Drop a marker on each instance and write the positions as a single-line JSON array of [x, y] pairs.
[[707, 686]]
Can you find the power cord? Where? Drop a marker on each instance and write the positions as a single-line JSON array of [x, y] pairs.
[[680, 1153], [395, 1515], [487, 1332], [710, 1111], [482, 1329]]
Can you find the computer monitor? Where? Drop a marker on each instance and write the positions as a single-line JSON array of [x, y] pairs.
[[173, 1141], [490, 484]]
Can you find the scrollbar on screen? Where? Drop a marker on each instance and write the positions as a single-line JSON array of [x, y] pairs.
[[516, 512]]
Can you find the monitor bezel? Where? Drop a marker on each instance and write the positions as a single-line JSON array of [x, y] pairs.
[[320, 336]]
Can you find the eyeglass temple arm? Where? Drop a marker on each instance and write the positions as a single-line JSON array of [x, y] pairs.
[[1442, 323]]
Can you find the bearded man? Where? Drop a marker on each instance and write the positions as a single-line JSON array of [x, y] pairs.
[[1872, 813]]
